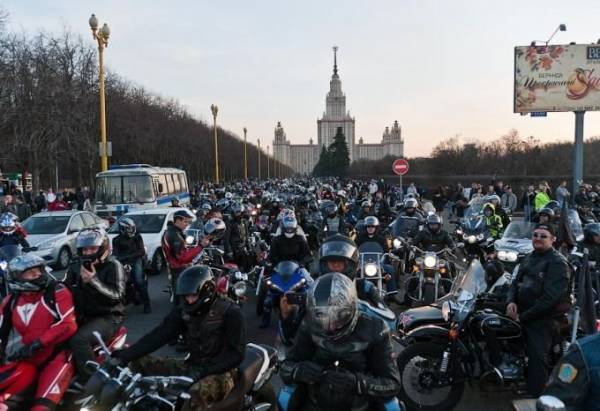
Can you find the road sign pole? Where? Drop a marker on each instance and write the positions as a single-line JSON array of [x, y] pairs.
[[401, 189], [578, 152]]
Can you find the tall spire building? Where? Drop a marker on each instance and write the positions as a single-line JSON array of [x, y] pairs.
[[302, 158]]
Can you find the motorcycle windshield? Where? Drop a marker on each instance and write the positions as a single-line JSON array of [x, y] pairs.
[[473, 225], [286, 269], [575, 224], [405, 226], [370, 247], [467, 286], [519, 230], [8, 252], [475, 209]]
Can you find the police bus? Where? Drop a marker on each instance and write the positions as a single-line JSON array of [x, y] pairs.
[[131, 187]]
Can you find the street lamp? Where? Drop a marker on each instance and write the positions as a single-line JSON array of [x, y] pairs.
[[268, 162], [259, 158], [245, 156], [101, 36], [214, 109], [561, 27]]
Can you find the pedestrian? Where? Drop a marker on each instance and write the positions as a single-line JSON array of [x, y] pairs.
[[509, 199], [562, 193], [40, 202], [23, 211], [541, 197]]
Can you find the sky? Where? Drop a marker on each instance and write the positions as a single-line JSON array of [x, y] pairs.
[[441, 68]]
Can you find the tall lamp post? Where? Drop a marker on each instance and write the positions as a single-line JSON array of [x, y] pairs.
[[259, 158], [245, 156], [101, 36], [214, 109]]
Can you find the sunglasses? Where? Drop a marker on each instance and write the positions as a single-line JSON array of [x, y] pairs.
[[543, 236]]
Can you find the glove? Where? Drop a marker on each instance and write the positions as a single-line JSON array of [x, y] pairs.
[[344, 381], [26, 351], [307, 372]]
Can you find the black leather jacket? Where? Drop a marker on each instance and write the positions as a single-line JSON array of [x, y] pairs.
[[216, 340], [428, 241], [541, 288], [367, 352], [128, 249], [236, 235], [285, 249], [101, 296]]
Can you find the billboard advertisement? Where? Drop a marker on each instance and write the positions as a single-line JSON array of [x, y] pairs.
[[557, 78]]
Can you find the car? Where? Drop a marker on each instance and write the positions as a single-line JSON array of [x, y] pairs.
[[53, 234], [151, 224]]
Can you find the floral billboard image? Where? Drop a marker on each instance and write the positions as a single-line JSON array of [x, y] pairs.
[[557, 78]]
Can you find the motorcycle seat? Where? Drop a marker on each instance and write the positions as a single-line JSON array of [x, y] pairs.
[[421, 315], [247, 373]]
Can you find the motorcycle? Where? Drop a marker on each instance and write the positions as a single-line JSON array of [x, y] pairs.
[[7, 253], [371, 266], [119, 388], [436, 365], [431, 277], [515, 244], [230, 281], [473, 231]]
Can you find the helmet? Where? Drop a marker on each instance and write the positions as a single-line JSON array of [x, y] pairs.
[[22, 263], [371, 221], [434, 219], [554, 206], [7, 223], [228, 196], [263, 222], [289, 224], [93, 237], [237, 208], [215, 227], [411, 203], [127, 226], [547, 211], [222, 204], [342, 193], [590, 231], [366, 204], [494, 198], [332, 307], [339, 247], [183, 213], [197, 279], [329, 207], [207, 207]]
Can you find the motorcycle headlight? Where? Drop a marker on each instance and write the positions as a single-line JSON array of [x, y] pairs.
[[46, 245], [370, 270], [459, 232], [239, 288], [446, 311], [3, 265], [471, 239], [397, 243], [508, 256], [480, 237], [430, 261]]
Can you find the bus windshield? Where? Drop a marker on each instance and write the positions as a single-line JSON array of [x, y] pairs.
[[124, 189]]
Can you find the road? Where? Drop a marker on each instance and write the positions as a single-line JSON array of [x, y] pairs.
[[138, 323]]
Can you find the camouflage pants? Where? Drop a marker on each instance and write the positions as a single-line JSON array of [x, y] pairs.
[[210, 389]]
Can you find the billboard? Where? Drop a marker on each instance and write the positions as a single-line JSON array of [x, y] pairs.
[[557, 78]]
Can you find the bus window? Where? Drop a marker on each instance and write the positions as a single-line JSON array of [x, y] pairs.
[[162, 180], [138, 189], [169, 179], [183, 183], [108, 190], [176, 183]]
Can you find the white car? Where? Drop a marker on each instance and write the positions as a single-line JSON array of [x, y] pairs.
[[151, 224], [53, 233]]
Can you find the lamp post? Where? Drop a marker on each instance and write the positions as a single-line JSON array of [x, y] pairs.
[[245, 156], [101, 36], [259, 158], [214, 109], [268, 164]]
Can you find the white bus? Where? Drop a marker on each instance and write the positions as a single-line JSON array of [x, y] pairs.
[[138, 186]]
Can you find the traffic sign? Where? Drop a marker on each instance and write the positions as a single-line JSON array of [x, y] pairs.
[[539, 114], [400, 166]]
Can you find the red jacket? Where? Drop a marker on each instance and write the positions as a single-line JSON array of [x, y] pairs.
[[58, 206], [33, 320], [178, 254]]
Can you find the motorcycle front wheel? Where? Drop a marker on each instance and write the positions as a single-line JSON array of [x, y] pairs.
[[422, 386]]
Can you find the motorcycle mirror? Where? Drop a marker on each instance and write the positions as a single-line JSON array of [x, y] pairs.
[[98, 337], [550, 403]]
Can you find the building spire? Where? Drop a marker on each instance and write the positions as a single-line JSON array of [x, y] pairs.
[[335, 49]]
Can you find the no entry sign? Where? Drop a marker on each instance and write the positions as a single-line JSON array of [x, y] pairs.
[[400, 167]]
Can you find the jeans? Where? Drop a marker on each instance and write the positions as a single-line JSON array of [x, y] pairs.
[[140, 281], [83, 341]]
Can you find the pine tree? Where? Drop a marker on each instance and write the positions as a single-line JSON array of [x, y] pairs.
[[323, 165], [339, 155]]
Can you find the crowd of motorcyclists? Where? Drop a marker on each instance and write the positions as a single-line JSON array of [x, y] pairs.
[[308, 243]]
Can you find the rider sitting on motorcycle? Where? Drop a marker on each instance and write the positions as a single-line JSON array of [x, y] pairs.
[[97, 282], [341, 359], [236, 237], [41, 311], [433, 237], [333, 221], [128, 247], [10, 234], [215, 334], [492, 221], [499, 211]]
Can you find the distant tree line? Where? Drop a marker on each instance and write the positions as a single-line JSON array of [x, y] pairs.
[[49, 118], [509, 155]]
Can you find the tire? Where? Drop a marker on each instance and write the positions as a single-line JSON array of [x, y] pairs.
[[158, 262], [433, 352], [64, 256], [429, 296]]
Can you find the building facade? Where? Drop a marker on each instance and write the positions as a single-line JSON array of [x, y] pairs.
[[302, 158]]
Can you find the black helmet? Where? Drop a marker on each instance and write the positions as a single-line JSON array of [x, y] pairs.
[[127, 226], [222, 204], [332, 307], [590, 231], [22, 263], [554, 206], [329, 207], [197, 279], [434, 219], [93, 237], [183, 213], [215, 227], [411, 203], [371, 221], [547, 211], [339, 247]]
